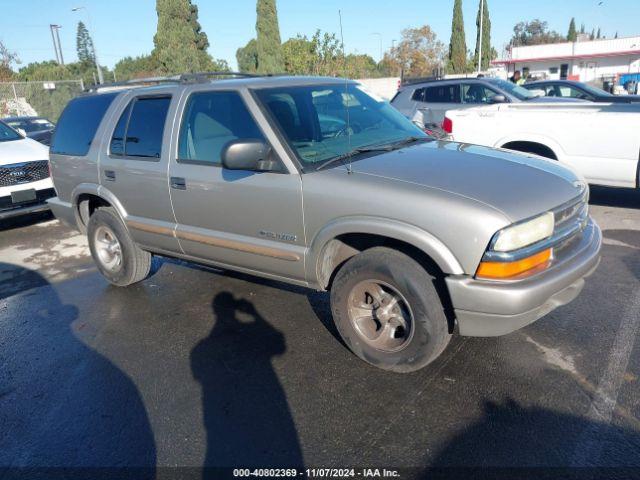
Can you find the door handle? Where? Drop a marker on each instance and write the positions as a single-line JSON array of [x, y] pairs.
[[110, 175], [178, 183]]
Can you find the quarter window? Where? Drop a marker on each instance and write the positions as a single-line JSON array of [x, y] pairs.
[[78, 124], [442, 94], [418, 95], [210, 121]]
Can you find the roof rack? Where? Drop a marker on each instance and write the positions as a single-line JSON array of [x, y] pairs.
[[197, 77]]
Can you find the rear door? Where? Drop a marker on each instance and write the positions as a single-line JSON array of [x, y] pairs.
[[437, 99], [133, 167], [245, 219]]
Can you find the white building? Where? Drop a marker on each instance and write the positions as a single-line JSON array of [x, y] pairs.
[[586, 61]]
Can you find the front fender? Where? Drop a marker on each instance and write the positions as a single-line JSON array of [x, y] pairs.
[[396, 230]]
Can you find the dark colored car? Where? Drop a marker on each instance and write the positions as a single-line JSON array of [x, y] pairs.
[[570, 89], [37, 128]]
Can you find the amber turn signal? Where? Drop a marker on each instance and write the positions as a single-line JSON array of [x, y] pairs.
[[503, 270]]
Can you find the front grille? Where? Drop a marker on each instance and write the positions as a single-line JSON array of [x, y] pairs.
[[571, 213], [26, 172]]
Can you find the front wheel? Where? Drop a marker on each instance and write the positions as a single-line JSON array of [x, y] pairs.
[[115, 253], [388, 312]]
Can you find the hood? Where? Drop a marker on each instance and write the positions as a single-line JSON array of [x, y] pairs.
[[23, 150], [519, 186]]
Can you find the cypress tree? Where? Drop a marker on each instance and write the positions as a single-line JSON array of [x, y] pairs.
[[572, 35], [486, 36], [179, 44], [268, 44], [458, 44], [84, 45], [247, 57], [598, 35]]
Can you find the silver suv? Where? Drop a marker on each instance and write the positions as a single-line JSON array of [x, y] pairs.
[[314, 182]]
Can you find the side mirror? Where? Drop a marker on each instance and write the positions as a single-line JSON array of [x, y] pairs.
[[498, 99], [248, 154], [21, 132]]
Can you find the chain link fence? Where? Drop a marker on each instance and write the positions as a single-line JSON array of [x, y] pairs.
[[45, 99]]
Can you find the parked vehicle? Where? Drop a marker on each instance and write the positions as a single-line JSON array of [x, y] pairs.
[[25, 184], [411, 235], [426, 102], [570, 89], [37, 128], [578, 135]]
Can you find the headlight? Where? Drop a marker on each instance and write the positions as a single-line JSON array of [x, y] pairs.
[[524, 234]]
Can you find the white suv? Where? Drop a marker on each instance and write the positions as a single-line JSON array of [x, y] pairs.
[[25, 183]]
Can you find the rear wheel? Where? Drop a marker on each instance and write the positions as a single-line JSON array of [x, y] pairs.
[[115, 253], [388, 311]]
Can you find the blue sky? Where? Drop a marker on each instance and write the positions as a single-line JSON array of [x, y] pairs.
[[126, 27]]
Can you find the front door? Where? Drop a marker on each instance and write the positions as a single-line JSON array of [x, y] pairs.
[[244, 219], [133, 168]]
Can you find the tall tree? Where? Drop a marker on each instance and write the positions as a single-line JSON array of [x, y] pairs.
[[268, 42], [418, 54], [179, 44], [593, 34], [572, 35], [458, 44], [486, 36], [582, 29], [84, 45], [598, 35], [535, 32], [247, 57], [7, 58]]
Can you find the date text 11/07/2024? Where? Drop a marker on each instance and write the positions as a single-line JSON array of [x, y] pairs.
[[317, 472]]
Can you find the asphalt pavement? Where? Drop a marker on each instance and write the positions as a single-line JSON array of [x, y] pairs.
[[198, 367]]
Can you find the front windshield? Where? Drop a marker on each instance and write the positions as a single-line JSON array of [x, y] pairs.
[[7, 133], [322, 122], [31, 125], [512, 89], [596, 91]]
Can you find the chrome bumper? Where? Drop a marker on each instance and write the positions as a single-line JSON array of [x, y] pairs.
[[490, 308]]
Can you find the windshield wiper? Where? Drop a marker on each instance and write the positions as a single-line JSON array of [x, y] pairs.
[[355, 151], [385, 147]]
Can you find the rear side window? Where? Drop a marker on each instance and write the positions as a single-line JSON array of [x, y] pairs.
[[210, 121], [442, 94], [141, 126], [78, 124]]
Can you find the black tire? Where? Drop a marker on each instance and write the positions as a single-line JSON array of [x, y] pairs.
[[395, 271], [134, 264]]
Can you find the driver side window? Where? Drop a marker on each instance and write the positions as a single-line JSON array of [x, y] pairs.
[[210, 121]]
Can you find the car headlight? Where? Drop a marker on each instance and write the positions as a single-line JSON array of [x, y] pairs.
[[525, 234]]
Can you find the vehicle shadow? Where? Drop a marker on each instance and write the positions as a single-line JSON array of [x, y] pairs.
[[516, 441], [614, 197], [25, 220], [246, 414], [64, 408]]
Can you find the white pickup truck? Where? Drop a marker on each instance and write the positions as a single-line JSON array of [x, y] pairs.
[[600, 141]]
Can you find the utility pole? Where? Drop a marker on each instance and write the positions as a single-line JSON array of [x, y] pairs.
[[480, 42], [379, 35], [57, 28], [95, 50], [56, 43]]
